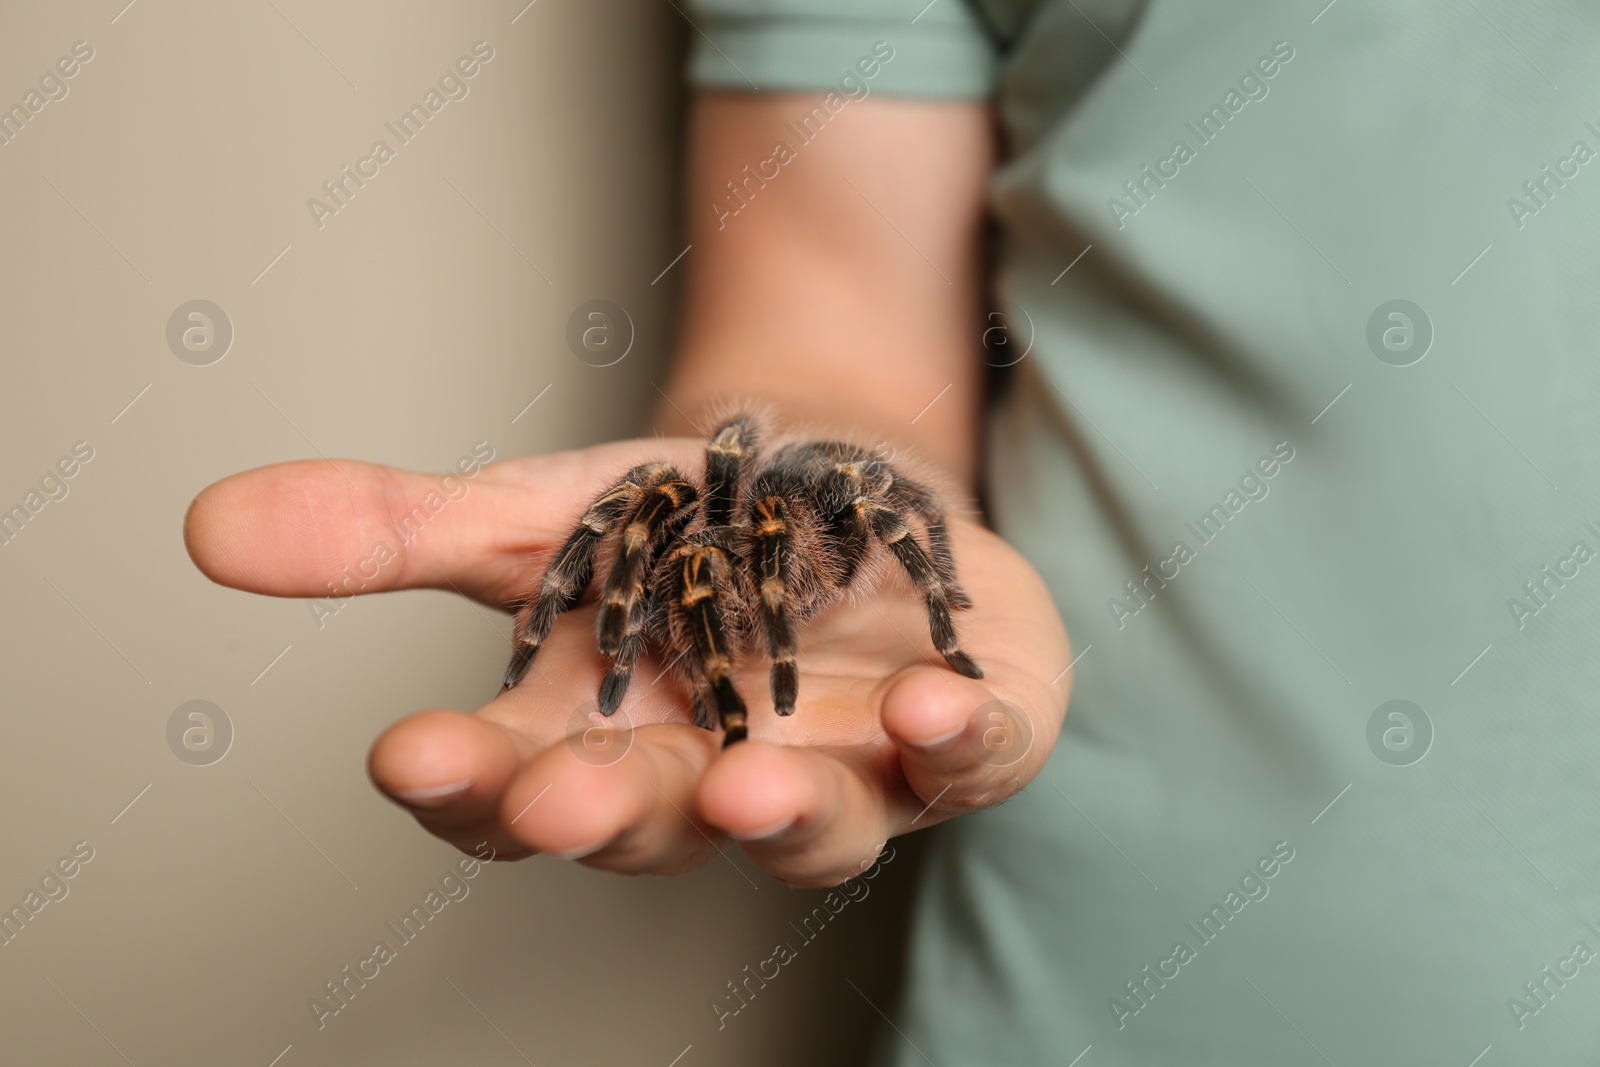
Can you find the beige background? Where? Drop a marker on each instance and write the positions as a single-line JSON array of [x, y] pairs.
[[418, 321]]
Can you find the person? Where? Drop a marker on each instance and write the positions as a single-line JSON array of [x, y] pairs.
[[1296, 434]]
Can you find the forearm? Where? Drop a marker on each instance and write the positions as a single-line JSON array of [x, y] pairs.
[[845, 290]]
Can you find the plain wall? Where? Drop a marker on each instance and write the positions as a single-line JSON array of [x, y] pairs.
[[417, 321]]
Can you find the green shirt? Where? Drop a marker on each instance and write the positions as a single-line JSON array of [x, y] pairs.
[[1270, 501]]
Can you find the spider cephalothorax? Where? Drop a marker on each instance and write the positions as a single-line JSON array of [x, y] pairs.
[[766, 542]]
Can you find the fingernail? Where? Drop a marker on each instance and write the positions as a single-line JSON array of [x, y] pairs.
[[433, 796], [586, 850], [766, 831], [939, 743]]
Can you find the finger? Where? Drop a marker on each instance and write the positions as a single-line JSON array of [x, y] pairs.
[[320, 528], [808, 816], [962, 747], [630, 811], [450, 771]]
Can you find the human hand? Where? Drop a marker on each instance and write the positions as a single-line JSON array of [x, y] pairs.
[[813, 796]]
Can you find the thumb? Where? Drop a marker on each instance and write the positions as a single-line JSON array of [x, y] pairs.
[[317, 528]]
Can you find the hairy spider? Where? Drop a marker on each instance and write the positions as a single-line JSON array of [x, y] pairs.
[[767, 542]]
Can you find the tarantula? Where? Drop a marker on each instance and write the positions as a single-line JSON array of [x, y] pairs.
[[766, 542]]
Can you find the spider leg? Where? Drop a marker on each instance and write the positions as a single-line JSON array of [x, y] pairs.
[[665, 505], [667, 589], [645, 608], [922, 500], [771, 545], [725, 456], [614, 686], [705, 705], [888, 526], [568, 573], [701, 585]]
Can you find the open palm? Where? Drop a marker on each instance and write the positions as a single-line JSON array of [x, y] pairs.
[[885, 739]]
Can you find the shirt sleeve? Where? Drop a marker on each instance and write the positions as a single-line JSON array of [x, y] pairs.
[[900, 47]]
